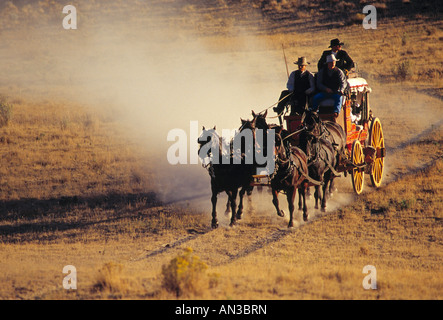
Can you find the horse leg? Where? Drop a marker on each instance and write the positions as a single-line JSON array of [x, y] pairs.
[[290, 196], [233, 196], [317, 196], [308, 192], [327, 180], [302, 195], [275, 202], [214, 223], [240, 204], [300, 203], [228, 207], [332, 188]]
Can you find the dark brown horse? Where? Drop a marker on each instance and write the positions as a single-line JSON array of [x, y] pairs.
[[245, 149], [290, 171], [290, 174]]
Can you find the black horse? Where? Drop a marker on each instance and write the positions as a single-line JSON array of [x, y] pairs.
[[332, 132], [226, 174], [322, 156], [335, 134]]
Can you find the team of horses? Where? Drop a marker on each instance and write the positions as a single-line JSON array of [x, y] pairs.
[[313, 162]]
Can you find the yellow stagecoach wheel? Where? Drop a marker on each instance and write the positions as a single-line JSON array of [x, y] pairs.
[[377, 141], [358, 177]]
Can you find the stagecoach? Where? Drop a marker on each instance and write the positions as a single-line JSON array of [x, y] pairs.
[[364, 136], [321, 146]]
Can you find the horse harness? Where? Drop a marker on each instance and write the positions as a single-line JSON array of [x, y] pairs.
[[290, 168], [317, 153]]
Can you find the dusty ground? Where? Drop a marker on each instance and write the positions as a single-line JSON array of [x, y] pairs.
[[84, 181]]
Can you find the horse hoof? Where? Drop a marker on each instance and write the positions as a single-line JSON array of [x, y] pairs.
[[291, 224], [214, 224], [281, 213], [323, 209], [239, 216], [233, 223], [305, 217]]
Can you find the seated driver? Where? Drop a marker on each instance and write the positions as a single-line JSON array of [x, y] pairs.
[[301, 84], [331, 82]]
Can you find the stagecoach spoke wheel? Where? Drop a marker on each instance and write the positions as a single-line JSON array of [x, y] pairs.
[[357, 174], [377, 141]]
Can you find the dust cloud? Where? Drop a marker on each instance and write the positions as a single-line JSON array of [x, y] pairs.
[[137, 67]]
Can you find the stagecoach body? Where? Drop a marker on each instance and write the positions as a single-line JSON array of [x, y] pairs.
[[364, 135]]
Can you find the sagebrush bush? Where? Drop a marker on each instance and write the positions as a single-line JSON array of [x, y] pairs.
[[5, 112], [185, 274], [403, 70], [356, 18], [110, 279], [405, 39]]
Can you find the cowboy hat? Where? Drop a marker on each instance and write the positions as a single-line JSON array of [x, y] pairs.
[[302, 61], [335, 42], [331, 58]]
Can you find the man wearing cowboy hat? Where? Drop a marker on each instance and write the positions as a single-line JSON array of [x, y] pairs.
[[332, 83], [344, 61], [301, 83]]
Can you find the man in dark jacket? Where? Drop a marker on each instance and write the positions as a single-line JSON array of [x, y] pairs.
[[301, 83], [331, 82], [345, 63]]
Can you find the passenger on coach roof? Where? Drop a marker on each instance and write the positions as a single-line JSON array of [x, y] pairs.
[[344, 61]]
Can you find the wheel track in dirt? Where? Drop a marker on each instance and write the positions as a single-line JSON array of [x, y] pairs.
[[417, 139], [170, 246], [260, 244]]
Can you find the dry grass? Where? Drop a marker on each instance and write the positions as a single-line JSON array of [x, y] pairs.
[[48, 151]]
